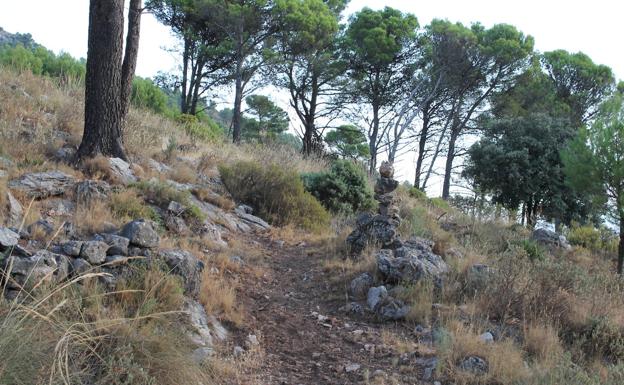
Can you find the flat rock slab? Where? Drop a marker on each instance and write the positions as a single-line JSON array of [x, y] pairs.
[[41, 185]]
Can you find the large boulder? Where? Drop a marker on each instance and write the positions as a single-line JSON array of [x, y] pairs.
[[186, 265], [117, 245], [412, 262], [141, 233], [550, 239], [40, 185]]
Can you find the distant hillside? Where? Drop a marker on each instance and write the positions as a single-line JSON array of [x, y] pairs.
[[14, 39]]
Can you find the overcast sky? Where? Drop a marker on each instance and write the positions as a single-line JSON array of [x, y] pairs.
[[594, 27]]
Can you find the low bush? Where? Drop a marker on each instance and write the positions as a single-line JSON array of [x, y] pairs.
[[277, 194], [342, 189], [202, 129]]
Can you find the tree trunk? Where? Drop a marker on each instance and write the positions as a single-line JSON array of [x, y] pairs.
[[132, 51], [103, 82], [372, 140], [238, 102], [448, 168], [621, 246], [185, 64], [422, 143]]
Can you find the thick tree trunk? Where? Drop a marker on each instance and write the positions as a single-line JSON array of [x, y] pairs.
[[132, 51], [448, 168], [621, 247], [103, 81], [185, 65]]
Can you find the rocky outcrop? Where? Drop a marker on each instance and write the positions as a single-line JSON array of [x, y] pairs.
[[89, 191], [141, 233], [121, 172], [41, 185], [411, 262], [550, 239], [186, 265]]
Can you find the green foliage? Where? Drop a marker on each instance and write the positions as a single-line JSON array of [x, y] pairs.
[[277, 194], [348, 141], [342, 189], [202, 129], [587, 236], [41, 61], [417, 193], [440, 203], [269, 119], [532, 249], [146, 94]]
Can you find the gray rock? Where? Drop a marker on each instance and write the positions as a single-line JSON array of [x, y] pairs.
[[72, 248], [79, 266], [8, 238], [43, 184], [141, 233], [245, 209], [117, 245], [386, 170], [244, 213], [42, 267], [121, 171], [371, 229], [15, 211], [200, 355], [386, 185], [157, 166], [393, 310], [41, 226], [238, 351], [428, 364], [359, 286], [203, 329], [474, 364], [550, 239], [487, 337], [237, 259], [375, 297], [94, 251], [349, 368], [65, 154], [186, 265], [411, 262], [89, 191], [176, 208], [176, 225], [59, 207]]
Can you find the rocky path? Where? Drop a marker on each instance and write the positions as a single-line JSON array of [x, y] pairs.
[[308, 339]]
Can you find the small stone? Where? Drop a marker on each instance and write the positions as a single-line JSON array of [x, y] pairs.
[[238, 351], [8, 238], [72, 248], [474, 364], [252, 340], [79, 266], [237, 260], [487, 337], [378, 373], [94, 251], [176, 208], [350, 368], [201, 354], [118, 245], [375, 296], [141, 233]]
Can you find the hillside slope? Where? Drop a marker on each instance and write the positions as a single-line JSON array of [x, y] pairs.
[[150, 273]]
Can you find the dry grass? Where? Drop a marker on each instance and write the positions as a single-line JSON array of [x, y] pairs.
[[220, 200], [542, 343], [95, 218], [218, 296], [505, 359], [183, 173]]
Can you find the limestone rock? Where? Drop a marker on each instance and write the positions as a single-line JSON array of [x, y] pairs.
[[72, 248], [121, 171], [386, 170], [186, 265], [43, 184], [375, 297], [94, 251], [411, 262], [15, 211], [550, 239], [141, 233], [89, 191], [8, 238], [117, 245], [360, 285]]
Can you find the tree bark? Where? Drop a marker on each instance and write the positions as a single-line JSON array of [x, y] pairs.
[[450, 157], [620, 263], [103, 82], [238, 102], [132, 51], [372, 140], [422, 143]]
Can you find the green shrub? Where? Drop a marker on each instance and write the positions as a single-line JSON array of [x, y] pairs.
[[533, 250], [146, 94], [41, 61], [416, 193], [202, 128], [439, 203], [277, 194], [342, 189], [595, 239]]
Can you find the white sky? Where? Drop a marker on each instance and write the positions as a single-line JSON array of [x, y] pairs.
[[594, 27]]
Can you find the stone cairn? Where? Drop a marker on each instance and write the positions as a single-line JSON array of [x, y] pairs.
[[380, 229]]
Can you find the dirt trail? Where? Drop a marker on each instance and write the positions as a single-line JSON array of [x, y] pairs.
[[308, 339]]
